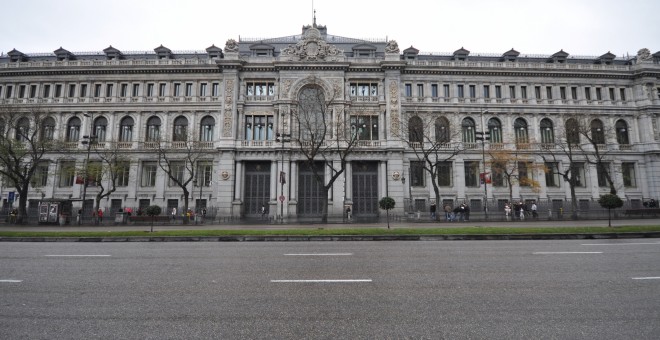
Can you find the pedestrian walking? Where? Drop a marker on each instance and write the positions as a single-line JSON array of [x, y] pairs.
[[507, 211], [432, 209], [173, 214], [466, 211], [100, 215], [263, 212], [535, 214], [448, 216], [349, 216]]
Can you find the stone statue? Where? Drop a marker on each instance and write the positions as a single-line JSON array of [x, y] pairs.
[[644, 56], [231, 46], [392, 47]]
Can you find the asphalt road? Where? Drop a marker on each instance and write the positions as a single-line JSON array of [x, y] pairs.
[[577, 289]]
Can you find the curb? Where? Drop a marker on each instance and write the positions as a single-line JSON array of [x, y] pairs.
[[284, 238]]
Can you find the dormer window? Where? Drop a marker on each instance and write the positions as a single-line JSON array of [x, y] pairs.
[[262, 50], [461, 54], [16, 56], [163, 52]]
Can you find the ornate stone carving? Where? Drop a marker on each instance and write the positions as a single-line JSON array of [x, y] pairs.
[[312, 47], [286, 87], [394, 106], [229, 107], [231, 46], [392, 47], [644, 56]]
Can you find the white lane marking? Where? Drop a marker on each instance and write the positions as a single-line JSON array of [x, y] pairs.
[[77, 255], [11, 281], [320, 281], [618, 244], [566, 252], [647, 278], [321, 254]]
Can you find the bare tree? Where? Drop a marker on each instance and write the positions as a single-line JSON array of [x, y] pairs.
[[23, 145], [179, 160], [430, 137], [513, 166], [324, 134], [105, 172]]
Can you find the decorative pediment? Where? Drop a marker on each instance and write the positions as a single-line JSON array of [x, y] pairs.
[[606, 58], [16, 55], [410, 53], [214, 52], [63, 54], [559, 57], [112, 53], [312, 47], [262, 50], [461, 54], [163, 52]]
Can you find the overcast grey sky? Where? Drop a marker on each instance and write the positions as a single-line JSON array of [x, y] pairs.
[[579, 27]]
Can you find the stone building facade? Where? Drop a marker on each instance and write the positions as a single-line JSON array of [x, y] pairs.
[[230, 104]]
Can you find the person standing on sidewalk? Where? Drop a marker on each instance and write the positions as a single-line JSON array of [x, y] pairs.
[[432, 209], [535, 214]]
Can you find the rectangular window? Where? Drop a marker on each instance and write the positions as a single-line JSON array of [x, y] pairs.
[[587, 93], [41, 175], [189, 89], [58, 90], [577, 173], [498, 91], [204, 172], [523, 92], [67, 173], [72, 90], [599, 95], [548, 92], [136, 90], [612, 94], [622, 94], [161, 90], [461, 94], [537, 92], [215, 91], [420, 90], [97, 90], [21, 91], [473, 91], [8, 92], [512, 92], [33, 91], [524, 174], [177, 90], [150, 90], [259, 127], [178, 171], [602, 172], [574, 93], [123, 174], [109, 88], [486, 91], [551, 174], [434, 90], [498, 172], [123, 91], [417, 174], [46, 91], [83, 90], [148, 174], [628, 172], [445, 174], [471, 173], [562, 92], [202, 90], [408, 88], [445, 89], [0, 91], [364, 127]]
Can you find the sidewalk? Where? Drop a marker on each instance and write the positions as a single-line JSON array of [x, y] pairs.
[[277, 226]]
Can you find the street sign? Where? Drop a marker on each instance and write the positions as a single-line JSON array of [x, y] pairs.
[[281, 198]]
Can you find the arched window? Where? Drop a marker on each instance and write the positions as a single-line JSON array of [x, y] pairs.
[[73, 130], [312, 114], [597, 133], [100, 129], [415, 130], [547, 131], [180, 133], [495, 130], [622, 132], [572, 132], [22, 129], [206, 129], [48, 129], [126, 129], [442, 133], [468, 130], [521, 131], [153, 129]]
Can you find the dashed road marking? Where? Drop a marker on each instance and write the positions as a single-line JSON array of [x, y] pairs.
[[647, 278], [11, 281], [321, 281], [619, 244], [321, 254], [566, 252], [77, 255]]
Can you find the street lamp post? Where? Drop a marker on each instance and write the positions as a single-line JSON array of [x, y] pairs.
[[483, 136], [198, 205], [87, 140], [282, 137]]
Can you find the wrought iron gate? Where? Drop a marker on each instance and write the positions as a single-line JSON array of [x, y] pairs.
[[310, 192], [365, 189], [257, 187]]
